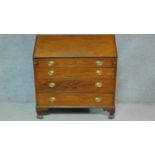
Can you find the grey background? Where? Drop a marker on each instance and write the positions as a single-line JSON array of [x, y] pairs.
[[136, 69]]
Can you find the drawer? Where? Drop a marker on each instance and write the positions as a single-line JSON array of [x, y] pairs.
[[74, 62], [106, 73], [74, 99], [76, 85]]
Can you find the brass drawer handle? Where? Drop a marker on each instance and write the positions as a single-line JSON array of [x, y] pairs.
[[98, 84], [99, 63], [52, 85], [99, 72], [98, 99], [51, 63], [53, 99], [52, 72]]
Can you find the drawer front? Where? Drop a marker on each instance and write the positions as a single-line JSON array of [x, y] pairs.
[[74, 62], [74, 99], [106, 73], [76, 85]]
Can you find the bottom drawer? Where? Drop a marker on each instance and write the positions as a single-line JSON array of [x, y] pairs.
[[74, 99]]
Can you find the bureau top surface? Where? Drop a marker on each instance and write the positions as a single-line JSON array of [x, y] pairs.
[[75, 46]]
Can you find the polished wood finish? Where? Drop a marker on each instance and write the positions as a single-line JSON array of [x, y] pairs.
[[75, 46], [107, 73], [76, 85], [75, 71], [74, 99], [75, 62]]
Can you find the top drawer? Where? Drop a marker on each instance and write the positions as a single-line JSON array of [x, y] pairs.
[[75, 62]]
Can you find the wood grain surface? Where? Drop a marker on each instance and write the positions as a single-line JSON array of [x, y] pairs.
[[75, 62], [75, 71], [75, 46], [107, 73], [74, 99], [76, 85]]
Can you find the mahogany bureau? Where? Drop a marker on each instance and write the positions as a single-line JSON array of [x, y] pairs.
[[75, 71]]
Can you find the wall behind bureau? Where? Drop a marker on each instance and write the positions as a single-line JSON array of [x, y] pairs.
[[16, 72], [136, 68]]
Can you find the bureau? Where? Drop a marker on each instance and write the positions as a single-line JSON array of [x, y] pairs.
[[75, 71]]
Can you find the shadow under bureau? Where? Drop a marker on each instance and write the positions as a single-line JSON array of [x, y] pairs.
[[75, 71]]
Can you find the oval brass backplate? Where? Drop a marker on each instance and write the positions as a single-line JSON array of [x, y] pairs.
[[52, 85], [51, 63], [98, 99], [99, 72], [98, 84], [52, 72], [53, 99], [99, 63]]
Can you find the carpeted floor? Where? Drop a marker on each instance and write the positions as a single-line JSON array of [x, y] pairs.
[[124, 112]]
